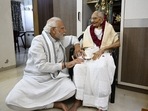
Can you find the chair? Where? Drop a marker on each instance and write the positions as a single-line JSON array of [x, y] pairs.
[[115, 54], [16, 35]]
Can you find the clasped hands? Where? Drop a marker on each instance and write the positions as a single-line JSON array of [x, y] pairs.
[[75, 60], [81, 54]]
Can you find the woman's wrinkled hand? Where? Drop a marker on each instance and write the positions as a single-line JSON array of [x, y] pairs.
[[98, 54], [79, 53], [77, 50]]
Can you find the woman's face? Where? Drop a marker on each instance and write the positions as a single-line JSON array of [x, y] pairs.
[[96, 21]]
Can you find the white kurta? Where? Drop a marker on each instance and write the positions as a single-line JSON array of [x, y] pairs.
[[93, 78], [44, 82]]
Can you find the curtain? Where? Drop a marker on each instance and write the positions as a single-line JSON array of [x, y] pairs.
[[16, 16]]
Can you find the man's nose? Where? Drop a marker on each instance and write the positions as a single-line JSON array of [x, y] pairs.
[[64, 30]]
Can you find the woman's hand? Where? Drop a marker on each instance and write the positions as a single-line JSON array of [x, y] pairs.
[[78, 51], [98, 54]]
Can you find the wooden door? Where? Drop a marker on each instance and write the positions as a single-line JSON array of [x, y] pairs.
[[42, 11], [66, 10], [135, 57]]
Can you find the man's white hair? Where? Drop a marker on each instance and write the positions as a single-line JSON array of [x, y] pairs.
[[52, 22]]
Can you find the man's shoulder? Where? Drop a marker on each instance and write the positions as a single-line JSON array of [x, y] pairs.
[[38, 37]]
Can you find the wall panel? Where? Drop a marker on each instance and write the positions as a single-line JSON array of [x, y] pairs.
[[135, 56]]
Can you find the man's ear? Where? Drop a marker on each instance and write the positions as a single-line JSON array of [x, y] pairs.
[[52, 30]]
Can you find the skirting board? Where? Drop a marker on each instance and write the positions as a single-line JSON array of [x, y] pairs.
[[7, 68], [144, 91]]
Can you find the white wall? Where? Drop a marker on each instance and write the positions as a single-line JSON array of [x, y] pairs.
[[27, 19], [28, 16], [135, 13], [7, 52], [136, 9]]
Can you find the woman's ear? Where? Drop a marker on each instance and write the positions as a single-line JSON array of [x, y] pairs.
[[101, 20]]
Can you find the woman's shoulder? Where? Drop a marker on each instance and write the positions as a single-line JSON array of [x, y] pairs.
[[108, 24]]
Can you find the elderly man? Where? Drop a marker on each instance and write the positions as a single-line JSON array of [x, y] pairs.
[[46, 80], [94, 77]]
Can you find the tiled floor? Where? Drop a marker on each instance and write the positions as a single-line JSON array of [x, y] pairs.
[[125, 100]]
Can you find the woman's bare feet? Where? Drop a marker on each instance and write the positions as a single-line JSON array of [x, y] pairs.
[[61, 105], [76, 105]]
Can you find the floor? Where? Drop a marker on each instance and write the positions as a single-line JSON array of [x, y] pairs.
[[125, 100]]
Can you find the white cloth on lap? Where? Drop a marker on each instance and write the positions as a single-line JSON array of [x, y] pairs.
[[93, 80]]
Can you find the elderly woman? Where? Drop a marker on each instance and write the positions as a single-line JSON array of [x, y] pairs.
[[94, 77]]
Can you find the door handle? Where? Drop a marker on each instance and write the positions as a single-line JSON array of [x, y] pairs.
[[79, 16]]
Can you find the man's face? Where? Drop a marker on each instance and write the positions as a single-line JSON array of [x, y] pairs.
[[96, 20], [60, 31]]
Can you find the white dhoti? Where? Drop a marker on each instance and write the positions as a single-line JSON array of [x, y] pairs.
[[93, 80], [44, 81], [31, 94]]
